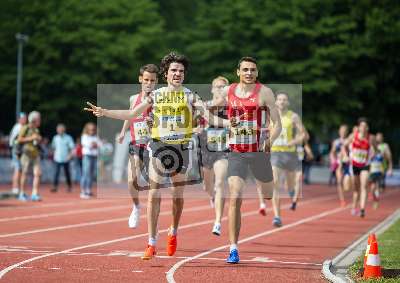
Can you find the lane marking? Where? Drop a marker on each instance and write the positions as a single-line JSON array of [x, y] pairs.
[[11, 267], [58, 204], [171, 272], [91, 223], [45, 215]]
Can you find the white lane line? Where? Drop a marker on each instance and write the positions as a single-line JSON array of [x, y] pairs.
[[137, 271], [58, 204], [85, 224], [170, 273], [45, 215], [11, 267], [25, 267], [55, 268]]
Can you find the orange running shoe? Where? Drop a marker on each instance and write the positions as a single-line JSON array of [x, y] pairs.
[[171, 245], [149, 253]]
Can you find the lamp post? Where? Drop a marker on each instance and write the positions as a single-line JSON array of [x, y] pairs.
[[21, 38]]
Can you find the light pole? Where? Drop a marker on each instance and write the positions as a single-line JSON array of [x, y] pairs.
[[21, 38]]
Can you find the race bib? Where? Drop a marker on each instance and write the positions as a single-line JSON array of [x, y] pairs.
[[376, 167], [172, 117], [245, 133], [217, 139], [141, 132], [360, 155], [282, 140]]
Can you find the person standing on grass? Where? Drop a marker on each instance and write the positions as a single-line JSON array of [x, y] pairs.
[[90, 150], [63, 146], [29, 138], [16, 152]]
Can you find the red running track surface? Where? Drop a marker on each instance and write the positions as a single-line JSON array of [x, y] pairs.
[[67, 239]]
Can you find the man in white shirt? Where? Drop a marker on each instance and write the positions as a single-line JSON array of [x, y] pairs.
[[62, 144], [22, 119]]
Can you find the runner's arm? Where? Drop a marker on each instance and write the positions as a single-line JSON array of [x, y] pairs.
[[125, 126], [388, 156], [300, 131], [120, 114], [216, 121]]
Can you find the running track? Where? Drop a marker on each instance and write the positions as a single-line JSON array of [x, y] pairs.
[[67, 239]]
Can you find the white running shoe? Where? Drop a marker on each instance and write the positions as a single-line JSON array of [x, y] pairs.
[[217, 229], [133, 221], [84, 196]]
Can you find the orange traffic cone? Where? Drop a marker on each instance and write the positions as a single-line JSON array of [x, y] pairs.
[[371, 238], [373, 264]]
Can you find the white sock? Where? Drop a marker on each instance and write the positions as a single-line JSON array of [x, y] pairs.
[[263, 205], [136, 206], [233, 247], [152, 241], [173, 231]]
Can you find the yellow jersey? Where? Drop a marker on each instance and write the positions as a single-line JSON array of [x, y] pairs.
[[281, 143], [172, 114]]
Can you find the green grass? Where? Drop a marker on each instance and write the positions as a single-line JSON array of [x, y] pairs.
[[389, 251]]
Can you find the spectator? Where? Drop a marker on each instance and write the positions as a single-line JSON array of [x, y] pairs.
[[62, 144], [16, 152], [29, 137], [90, 149]]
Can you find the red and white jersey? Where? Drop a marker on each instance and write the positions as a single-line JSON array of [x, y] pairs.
[[360, 151], [245, 137], [139, 129]]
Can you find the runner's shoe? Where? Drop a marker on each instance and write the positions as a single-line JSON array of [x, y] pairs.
[[262, 210], [36, 197], [171, 245], [134, 218], [362, 213], [355, 212], [217, 229], [233, 257], [22, 197], [277, 222], [149, 253], [293, 206]]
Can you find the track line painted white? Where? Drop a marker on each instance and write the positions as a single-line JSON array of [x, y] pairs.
[[45, 215], [171, 272], [86, 224], [58, 204], [18, 264]]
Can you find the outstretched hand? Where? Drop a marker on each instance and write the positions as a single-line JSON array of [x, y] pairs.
[[96, 110]]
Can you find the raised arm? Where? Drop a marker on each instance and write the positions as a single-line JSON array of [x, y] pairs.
[[120, 114]]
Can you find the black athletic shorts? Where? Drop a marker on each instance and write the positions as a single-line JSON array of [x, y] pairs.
[[207, 158], [140, 151], [357, 170], [258, 162], [174, 157]]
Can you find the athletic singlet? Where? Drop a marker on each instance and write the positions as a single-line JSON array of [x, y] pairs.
[[360, 151], [139, 129], [281, 143], [172, 114], [217, 138], [376, 165], [246, 136]]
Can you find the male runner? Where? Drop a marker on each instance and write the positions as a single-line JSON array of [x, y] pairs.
[[214, 153], [140, 134], [284, 157], [171, 108], [247, 100]]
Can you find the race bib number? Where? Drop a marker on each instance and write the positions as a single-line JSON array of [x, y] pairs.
[[282, 140], [376, 167], [217, 139], [360, 155], [245, 133], [141, 132]]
